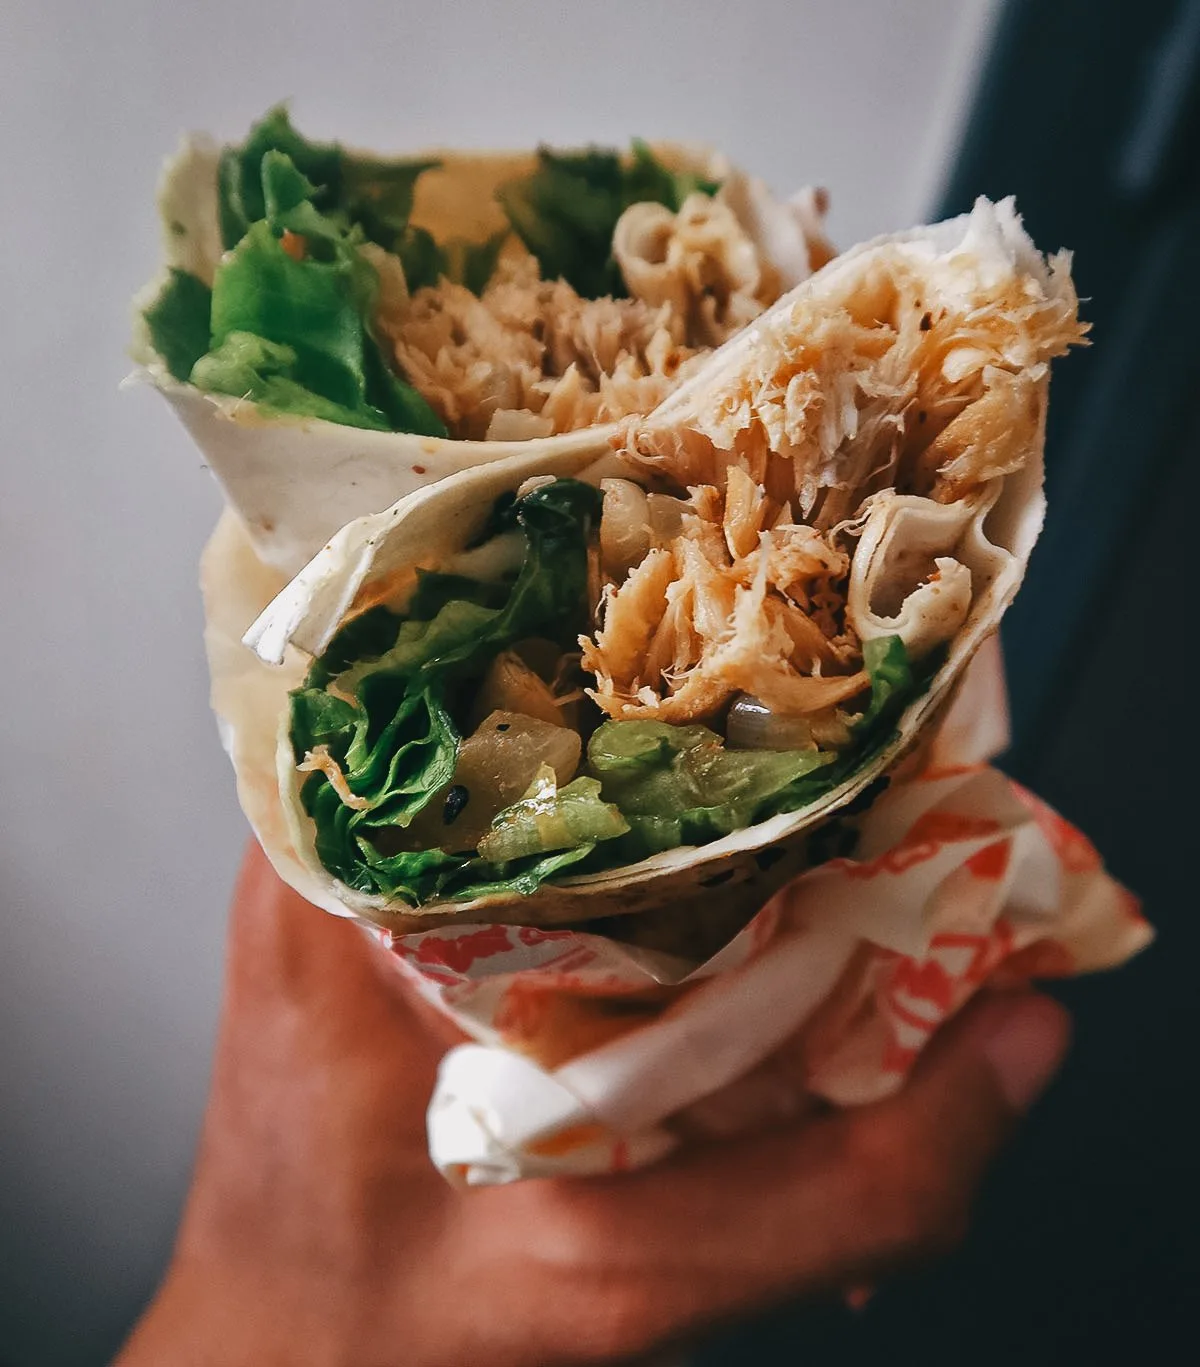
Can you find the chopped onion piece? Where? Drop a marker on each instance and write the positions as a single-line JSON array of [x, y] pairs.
[[751, 725], [624, 527]]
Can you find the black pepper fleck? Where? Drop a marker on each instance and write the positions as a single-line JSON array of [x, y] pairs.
[[926, 322], [456, 799]]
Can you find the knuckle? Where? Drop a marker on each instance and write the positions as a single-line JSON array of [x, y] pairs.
[[910, 1198], [878, 1143], [620, 1323], [608, 1303], [565, 1225]]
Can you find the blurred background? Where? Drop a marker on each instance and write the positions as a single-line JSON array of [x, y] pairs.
[[119, 830]]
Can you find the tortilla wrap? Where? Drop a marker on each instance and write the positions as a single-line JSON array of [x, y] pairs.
[[295, 481], [762, 404]]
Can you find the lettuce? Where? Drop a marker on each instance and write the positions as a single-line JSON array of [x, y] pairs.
[[363, 637], [397, 741], [376, 196], [566, 210], [291, 305], [546, 819], [288, 322], [893, 681], [421, 876], [465, 263], [385, 698], [678, 785], [894, 684], [178, 321], [393, 768]]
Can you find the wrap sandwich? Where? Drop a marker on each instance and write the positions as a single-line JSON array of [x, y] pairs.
[[554, 688], [336, 329]]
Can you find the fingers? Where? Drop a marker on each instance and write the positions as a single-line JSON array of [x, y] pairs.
[[280, 945], [289, 957], [937, 1136], [726, 1228], [871, 1187]]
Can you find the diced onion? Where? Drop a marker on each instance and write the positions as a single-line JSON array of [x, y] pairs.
[[624, 527], [753, 726], [665, 515]]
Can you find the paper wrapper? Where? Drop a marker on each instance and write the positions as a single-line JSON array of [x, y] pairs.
[[595, 1056]]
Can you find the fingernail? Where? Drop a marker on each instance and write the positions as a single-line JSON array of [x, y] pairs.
[[1025, 1039]]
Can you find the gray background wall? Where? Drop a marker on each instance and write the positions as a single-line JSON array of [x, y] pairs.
[[119, 831]]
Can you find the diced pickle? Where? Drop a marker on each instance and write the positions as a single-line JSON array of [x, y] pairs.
[[511, 686], [495, 766]]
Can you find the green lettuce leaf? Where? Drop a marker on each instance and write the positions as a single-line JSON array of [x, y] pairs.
[[241, 196], [648, 181], [434, 590], [472, 263], [547, 819], [178, 320], [894, 684], [315, 355], [422, 876], [291, 328], [679, 785], [393, 768], [247, 366], [465, 263], [377, 196], [364, 637], [319, 718], [423, 260], [545, 600], [396, 743], [314, 308], [412, 876], [633, 749], [566, 210]]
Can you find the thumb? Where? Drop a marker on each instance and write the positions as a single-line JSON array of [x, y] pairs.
[[718, 1230], [922, 1153], [723, 1228]]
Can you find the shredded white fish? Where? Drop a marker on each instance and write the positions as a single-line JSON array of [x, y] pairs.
[[913, 381], [531, 357]]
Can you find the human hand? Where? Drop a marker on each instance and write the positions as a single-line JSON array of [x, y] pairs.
[[317, 1231]]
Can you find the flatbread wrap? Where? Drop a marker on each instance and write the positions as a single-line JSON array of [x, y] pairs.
[[552, 688], [336, 329]]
